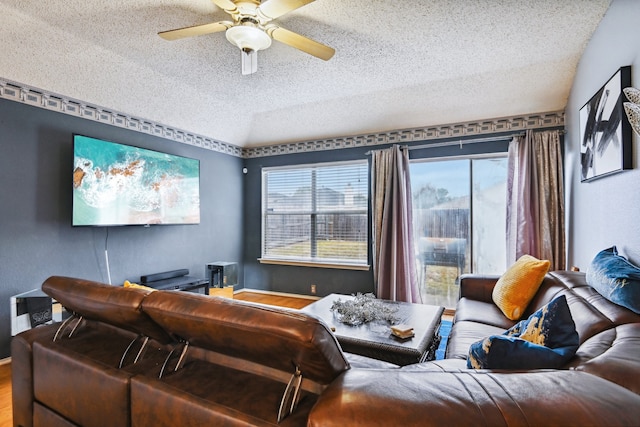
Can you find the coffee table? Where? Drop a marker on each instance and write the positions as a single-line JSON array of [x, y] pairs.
[[374, 339]]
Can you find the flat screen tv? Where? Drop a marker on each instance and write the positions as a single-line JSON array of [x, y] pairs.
[[116, 184]]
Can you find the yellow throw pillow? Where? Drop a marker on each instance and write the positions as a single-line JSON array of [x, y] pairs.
[[517, 286], [128, 284]]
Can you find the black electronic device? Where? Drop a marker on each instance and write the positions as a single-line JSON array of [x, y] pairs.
[[175, 280], [164, 275], [222, 274]]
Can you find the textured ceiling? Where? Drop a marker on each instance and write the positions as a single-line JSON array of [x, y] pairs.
[[398, 64]]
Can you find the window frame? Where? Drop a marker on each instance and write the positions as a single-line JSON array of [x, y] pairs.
[[314, 212]]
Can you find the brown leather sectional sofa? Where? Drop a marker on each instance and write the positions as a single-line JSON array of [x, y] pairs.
[[134, 358]]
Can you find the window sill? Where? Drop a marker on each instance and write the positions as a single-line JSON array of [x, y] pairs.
[[340, 266]]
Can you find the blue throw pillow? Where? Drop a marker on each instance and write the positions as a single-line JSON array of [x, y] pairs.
[[547, 339], [615, 278]]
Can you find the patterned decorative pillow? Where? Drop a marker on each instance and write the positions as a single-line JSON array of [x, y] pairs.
[[615, 278], [517, 286], [547, 339]]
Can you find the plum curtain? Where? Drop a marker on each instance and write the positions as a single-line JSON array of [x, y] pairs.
[[535, 198], [394, 264]]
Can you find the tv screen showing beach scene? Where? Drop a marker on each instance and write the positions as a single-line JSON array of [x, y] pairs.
[[117, 184]]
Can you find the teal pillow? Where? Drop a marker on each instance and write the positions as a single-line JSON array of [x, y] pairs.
[[547, 339], [615, 278]]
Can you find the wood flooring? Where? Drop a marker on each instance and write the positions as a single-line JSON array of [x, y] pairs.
[[6, 415], [271, 299]]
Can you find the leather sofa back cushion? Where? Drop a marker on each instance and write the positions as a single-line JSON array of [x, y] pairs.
[[608, 355], [517, 286], [273, 337], [114, 305], [615, 278]]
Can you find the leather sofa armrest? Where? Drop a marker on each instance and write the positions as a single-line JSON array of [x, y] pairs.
[[477, 287], [399, 397], [22, 371]]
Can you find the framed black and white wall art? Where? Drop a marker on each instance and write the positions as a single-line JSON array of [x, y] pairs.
[[605, 132]]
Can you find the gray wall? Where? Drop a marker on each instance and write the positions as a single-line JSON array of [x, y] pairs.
[[36, 237], [603, 212]]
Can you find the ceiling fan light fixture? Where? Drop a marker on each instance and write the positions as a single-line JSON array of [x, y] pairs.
[[248, 38], [252, 31]]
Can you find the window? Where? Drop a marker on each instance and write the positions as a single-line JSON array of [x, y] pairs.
[[316, 214], [459, 214]]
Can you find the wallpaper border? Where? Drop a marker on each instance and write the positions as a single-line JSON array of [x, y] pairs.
[[40, 98]]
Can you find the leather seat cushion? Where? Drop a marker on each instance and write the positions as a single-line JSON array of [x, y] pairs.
[[464, 333]]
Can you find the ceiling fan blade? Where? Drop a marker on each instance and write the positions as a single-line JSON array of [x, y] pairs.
[[196, 30], [300, 42], [273, 9], [226, 5]]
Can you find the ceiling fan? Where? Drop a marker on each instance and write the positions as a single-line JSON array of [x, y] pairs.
[[251, 29]]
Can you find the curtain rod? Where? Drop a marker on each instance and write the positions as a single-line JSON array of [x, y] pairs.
[[459, 142], [462, 142]]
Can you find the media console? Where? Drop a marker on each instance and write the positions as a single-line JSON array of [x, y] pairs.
[[175, 280]]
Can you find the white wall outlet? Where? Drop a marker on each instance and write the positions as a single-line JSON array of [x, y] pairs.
[[313, 289]]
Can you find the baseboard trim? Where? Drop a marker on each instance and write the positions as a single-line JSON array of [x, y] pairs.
[[5, 361], [280, 294]]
